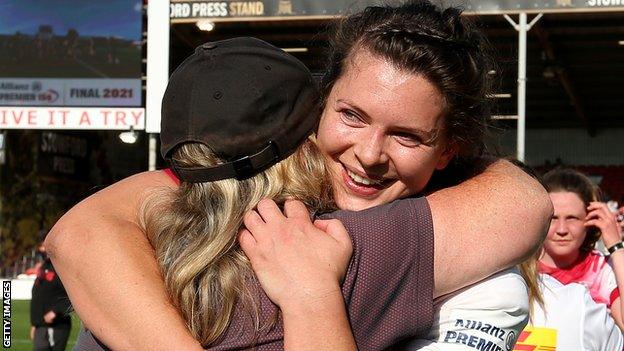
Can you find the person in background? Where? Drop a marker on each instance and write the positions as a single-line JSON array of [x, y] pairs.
[[565, 317], [578, 222], [50, 308]]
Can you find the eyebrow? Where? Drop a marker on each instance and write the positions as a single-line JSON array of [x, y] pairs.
[[354, 106], [430, 137]]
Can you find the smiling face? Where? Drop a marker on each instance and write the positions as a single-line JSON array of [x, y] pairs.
[[567, 230], [381, 133]]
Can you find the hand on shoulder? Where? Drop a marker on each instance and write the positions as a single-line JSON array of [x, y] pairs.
[[297, 261]]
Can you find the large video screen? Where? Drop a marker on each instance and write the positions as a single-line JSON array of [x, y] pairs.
[[70, 53]]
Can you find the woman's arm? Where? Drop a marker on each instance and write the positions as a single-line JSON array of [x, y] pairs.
[[599, 215], [489, 222], [108, 268], [300, 265], [111, 275], [109, 271]]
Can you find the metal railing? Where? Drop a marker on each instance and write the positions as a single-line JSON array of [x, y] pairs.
[[20, 265]]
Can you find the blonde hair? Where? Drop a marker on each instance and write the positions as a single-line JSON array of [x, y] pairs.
[[528, 270], [194, 232]]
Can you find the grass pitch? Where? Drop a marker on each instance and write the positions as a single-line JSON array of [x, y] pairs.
[[20, 327]]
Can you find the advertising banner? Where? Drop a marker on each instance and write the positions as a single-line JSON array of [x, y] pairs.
[[102, 118], [73, 92], [185, 11], [71, 53]]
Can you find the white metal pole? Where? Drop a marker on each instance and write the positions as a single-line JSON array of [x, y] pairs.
[[157, 69], [522, 48], [152, 152]]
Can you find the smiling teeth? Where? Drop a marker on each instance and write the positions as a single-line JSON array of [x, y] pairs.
[[361, 180]]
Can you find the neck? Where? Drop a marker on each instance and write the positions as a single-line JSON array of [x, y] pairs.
[[559, 261]]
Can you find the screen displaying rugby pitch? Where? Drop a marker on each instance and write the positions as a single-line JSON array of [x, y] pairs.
[[70, 53]]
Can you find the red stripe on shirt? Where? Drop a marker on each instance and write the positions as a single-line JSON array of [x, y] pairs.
[[615, 294], [172, 175]]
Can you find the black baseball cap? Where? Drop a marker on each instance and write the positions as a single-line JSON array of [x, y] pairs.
[[252, 103]]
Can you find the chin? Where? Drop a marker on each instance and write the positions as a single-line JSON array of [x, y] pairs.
[[557, 252], [351, 203], [559, 255]]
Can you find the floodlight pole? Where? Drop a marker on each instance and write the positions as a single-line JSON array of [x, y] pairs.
[[522, 27], [157, 70], [151, 165]]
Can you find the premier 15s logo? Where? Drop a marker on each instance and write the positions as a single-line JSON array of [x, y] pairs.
[[480, 336]]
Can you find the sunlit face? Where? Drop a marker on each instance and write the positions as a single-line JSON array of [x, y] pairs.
[[378, 131], [567, 230]]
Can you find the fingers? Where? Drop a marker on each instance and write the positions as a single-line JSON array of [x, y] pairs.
[[248, 244], [246, 240], [596, 205], [594, 214], [253, 221], [601, 213], [601, 217], [269, 211], [322, 224], [266, 211], [592, 223], [335, 229], [600, 207], [265, 222], [296, 209]]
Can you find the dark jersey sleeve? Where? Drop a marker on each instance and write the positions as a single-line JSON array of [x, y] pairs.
[[388, 287], [87, 342]]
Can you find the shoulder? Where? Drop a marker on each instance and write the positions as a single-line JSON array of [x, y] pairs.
[[150, 178], [398, 233], [117, 201], [601, 264], [504, 290], [400, 218], [392, 264], [393, 208], [596, 259], [492, 312], [138, 186]]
